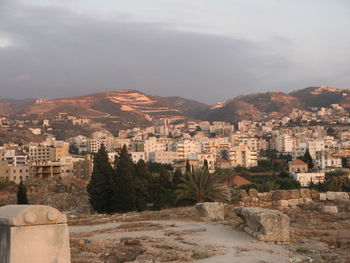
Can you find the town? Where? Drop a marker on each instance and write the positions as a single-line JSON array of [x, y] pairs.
[[322, 132]]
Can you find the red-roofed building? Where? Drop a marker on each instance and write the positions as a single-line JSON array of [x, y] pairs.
[[298, 166], [237, 181]]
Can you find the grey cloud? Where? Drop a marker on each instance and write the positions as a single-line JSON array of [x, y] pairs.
[[57, 53]]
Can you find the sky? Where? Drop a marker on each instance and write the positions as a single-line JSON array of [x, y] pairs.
[[205, 50]]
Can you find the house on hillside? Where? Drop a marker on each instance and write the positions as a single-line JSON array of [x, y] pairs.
[[298, 166]]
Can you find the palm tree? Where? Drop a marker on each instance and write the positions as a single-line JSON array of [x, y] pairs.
[[202, 186]]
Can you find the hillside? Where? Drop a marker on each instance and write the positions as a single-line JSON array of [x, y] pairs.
[[322, 96], [127, 105], [129, 108]]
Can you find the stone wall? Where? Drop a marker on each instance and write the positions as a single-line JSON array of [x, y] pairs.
[[286, 198]]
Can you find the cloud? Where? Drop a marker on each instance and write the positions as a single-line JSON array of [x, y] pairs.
[[60, 53]]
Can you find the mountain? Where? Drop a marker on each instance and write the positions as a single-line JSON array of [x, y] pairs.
[[125, 105], [322, 96], [255, 106], [116, 109]]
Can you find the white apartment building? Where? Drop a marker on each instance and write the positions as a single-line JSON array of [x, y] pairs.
[[306, 178], [164, 157], [243, 156], [315, 146], [284, 144], [137, 156], [154, 144], [93, 145], [325, 160], [186, 147]]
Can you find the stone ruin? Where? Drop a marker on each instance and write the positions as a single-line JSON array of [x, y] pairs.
[[211, 211], [33, 234], [264, 224], [286, 198]]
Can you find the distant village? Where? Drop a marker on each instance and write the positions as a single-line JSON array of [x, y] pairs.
[[322, 132]]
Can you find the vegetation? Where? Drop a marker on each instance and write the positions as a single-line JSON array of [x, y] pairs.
[[22, 195], [128, 186], [100, 187], [202, 186], [337, 180], [5, 183]]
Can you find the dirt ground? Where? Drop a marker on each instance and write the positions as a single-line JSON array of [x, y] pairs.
[[179, 235]]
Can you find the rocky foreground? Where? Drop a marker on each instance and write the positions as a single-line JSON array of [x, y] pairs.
[[180, 235]]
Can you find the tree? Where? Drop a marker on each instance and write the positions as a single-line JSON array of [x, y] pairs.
[[101, 182], [124, 195], [22, 194], [203, 186], [163, 194], [205, 164], [188, 167], [142, 181], [308, 159], [73, 149], [177, 178]]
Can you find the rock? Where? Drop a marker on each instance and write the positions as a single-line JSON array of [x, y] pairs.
[[282, 203], [293, 202], [253, 192], [341, 195], [265, 224], [307, 200], [331, 209], [211, 210], [242, 193], [294, 194], [323, 196], [315, 195], [305, 193], [280, 195], [330, 196]]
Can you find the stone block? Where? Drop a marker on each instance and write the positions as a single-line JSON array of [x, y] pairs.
[[282, 203], [280, 195], [323, 196], [331, 209], [305, 193], [211, 210], [315, 195], [265, 224], [307, 200], [301, 201], [242, 193], [33, 234], [293, 202], [330, 196], [341, 195], [294, 194], [253, 192]]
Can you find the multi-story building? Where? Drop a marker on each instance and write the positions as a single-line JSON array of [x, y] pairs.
[[283, 144], [242, 156], [165, 157]]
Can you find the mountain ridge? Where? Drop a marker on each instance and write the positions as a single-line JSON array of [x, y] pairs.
[[125, 105]]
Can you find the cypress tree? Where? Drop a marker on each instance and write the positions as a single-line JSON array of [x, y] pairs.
[[124, 199], [188, 167], [22, 194], [308, 159], [99, 187], [142, 180], [176, 178], [205, 165]]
